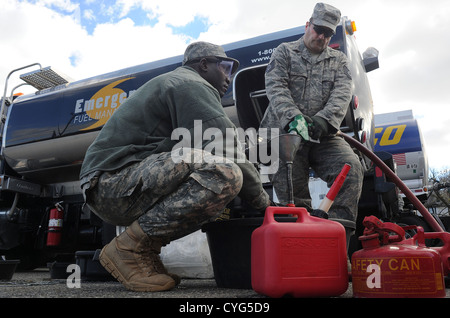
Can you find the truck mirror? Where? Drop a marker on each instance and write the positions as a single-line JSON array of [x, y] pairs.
[[370, 59]]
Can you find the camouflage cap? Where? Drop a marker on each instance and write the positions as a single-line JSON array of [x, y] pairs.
[[326, 15], [198, 50]]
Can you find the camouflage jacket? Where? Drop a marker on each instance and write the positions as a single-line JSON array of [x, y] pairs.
[[295, 85]]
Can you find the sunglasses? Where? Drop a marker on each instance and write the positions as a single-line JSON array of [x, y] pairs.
[[328, 33]]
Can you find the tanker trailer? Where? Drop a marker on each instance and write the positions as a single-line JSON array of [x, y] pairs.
[[399, 134]]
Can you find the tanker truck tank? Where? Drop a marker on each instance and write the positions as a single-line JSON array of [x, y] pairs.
[[399, 134], [47, 133]]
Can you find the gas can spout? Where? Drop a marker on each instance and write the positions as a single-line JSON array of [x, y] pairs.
[[327, 202], [289, 144]]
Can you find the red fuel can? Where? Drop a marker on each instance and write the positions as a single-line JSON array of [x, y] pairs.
[[389, 266], [306, 258]]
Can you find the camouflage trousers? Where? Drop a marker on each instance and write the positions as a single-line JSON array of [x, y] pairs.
[[327, 160], [169, 198]]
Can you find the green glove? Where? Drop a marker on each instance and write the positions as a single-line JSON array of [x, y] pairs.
[[319, 128], [300, 125]]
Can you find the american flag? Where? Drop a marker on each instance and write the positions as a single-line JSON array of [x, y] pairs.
[[400, 159]]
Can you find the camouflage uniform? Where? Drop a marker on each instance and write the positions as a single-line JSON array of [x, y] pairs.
[[129, 172], [168, 199], [299, 83]]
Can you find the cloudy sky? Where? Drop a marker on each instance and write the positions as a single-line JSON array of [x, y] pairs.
[[84, 38]]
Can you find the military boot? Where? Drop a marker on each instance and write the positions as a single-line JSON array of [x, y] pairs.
[[133, 259]]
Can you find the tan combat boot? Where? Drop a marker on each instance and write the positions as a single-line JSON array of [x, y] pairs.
[[133, 259]]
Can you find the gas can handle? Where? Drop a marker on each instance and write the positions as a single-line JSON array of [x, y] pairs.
[[443, 250], [374, 225], [269, 216], [443, 236]]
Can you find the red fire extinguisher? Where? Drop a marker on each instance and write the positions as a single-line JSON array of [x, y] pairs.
[[55, 224]]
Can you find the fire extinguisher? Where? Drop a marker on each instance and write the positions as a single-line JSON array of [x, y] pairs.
[[55, 224]]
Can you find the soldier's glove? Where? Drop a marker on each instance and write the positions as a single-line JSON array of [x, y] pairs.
[[300, 125], [319, 213], [319, 128]]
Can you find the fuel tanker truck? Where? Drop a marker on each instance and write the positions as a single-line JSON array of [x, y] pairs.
[[399, 134], [45, 136]]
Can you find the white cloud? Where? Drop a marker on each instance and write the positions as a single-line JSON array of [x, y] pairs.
[[65, 5], [35, 34], [39, 34], [89, 14], [176, 12]]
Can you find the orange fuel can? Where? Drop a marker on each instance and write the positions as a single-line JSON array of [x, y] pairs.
[[305, 258], [389, 266]]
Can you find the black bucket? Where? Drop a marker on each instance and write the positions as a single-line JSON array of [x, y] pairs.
[[58, 270], [230, 248], [7, 269], [90, 267]]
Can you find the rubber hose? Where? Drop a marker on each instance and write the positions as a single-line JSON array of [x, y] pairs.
[[377, 161]]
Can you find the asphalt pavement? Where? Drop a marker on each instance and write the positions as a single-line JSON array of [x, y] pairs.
[[201, 297], [39, 284]]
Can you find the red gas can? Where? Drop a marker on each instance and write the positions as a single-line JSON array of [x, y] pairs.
[[389, 266], [306, 258]]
